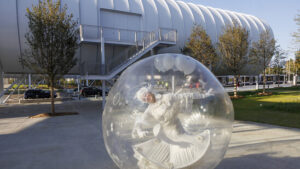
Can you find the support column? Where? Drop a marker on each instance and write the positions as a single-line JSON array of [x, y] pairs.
[[257, 81], [103, 68], [1, 81], [78, 87], [295, 80], [103, 94], [29, 81], [173, 84]]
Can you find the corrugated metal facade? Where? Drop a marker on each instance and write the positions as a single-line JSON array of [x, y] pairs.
[[140, 15]]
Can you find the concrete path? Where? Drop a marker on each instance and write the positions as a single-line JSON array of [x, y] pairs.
[[75, 142], [262, 146]]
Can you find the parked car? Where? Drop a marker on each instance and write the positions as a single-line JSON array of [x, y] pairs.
[[91, 91], [37, 93]]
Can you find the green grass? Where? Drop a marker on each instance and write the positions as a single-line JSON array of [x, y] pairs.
[[282, 108]]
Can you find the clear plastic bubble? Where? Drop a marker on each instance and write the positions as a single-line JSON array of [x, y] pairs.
[[167, 111]]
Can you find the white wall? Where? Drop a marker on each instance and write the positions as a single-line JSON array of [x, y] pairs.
[[143, 15]]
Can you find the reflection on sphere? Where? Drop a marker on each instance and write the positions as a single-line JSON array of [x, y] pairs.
[[167, 111]]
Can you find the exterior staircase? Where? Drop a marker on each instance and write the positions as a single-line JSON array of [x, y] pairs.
[[139, 43], [5, 94]]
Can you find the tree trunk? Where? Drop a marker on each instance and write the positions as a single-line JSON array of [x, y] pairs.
[[235, 87], [52, 96], [264, 83]]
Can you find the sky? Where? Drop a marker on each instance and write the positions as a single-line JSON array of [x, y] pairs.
[[279, 14]]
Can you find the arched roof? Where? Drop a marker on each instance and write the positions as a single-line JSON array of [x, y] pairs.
[[182, 16], [139, 15]]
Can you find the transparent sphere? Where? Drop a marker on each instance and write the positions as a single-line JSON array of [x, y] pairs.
[[167, 111]]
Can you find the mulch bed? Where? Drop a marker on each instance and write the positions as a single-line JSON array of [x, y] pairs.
[[236, 97], [54, 115], [265, 94]]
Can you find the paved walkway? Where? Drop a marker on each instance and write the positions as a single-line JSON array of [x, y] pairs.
[[75, 142], [262, 146]]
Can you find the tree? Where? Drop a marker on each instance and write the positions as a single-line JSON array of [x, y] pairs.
[[262, 52], [200, 47], [290, 68], [296, 34], [52, 41], [297, 61], [277, 63], [234, 46]]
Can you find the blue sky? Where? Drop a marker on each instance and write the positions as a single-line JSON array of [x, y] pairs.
[[279, 14]]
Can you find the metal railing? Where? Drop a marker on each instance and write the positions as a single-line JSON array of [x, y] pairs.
[[93, 33], [141, 42], [3, 97]]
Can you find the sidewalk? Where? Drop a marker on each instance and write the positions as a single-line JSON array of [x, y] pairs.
[[262, 146], [75, 142]]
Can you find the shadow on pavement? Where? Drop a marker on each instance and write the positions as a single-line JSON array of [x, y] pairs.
[[75, 142], [65, 142]]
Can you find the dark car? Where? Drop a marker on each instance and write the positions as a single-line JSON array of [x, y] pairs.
[[37, 93], [91, 91]]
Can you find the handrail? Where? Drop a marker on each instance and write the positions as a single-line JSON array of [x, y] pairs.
[[121, 67], [18, 81], [92, 33], [141, 41], [107, 27]]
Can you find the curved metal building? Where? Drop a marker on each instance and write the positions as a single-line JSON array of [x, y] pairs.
[[114, 33]]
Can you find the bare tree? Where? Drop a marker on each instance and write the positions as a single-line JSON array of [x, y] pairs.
[[52, 41], [234, 46], [262, 52], [201, 48]]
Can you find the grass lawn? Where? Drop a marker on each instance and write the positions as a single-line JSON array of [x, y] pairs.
[[282, 108]]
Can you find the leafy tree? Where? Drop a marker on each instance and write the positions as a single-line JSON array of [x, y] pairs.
[[262, 52], [297, 64], [290, 68], [200, 47], [52, 41], [277, 63], [297, 61], [234, 46], [296, 34]]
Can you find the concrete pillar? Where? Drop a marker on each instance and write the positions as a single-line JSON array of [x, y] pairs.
[[103, 65], [1, 81], [295, 80], [256, 79], [103, 94], [29, 81], [78, 87]]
